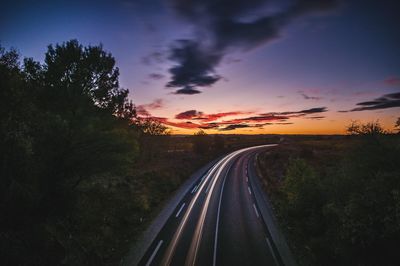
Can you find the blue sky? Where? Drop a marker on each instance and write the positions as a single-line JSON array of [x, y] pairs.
[[335, 57]]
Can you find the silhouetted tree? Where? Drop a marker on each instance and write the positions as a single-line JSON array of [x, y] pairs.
[[152, 133], [367, 129], [61, 122], [201, 142], [397, 125]]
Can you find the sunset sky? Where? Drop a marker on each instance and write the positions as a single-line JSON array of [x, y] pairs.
[[230, 66]]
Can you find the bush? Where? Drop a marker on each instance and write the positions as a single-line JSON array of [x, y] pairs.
[[351, 214]]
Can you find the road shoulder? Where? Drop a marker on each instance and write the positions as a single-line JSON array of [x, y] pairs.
[[267, 213]]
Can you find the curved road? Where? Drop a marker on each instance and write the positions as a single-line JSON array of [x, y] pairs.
[[218, 222]]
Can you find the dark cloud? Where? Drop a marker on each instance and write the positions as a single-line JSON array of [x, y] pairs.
[[231, 60], [185, 125], [187, 91], [153, 58], [307, 97], [209, 126], [284, 123], [313, 110], [194, 68], [315, 117], [391, 100], [142, 109], [236, 126], [233, 127], [197, 115], [302, 112], [191, 114], [303, 7], [259, 118], [156, 76], [225, 25]]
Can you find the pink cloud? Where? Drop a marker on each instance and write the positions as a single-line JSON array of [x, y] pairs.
[[392, 81], [197, 115]]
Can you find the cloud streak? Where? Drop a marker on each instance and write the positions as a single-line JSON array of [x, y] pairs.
[[143, 109], [307, 97], [194, 119], [156, 76], [392, 81], [391, 100], [197, 115]]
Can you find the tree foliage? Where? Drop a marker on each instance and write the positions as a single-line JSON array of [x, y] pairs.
[[397, 125], [201, 142], [368, 129], [347, 214], [61, 122], [152, 134]]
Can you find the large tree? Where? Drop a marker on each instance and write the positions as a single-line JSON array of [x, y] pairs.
[[61, 122]]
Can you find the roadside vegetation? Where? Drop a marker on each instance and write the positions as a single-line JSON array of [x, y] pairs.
[[81, 175], [338, 199]]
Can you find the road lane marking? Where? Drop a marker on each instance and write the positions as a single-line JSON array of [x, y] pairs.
[[194, 189], [247, 179], [154, 253], [180, 209], [255, 209], [208, 187], [217, 224], [249, 190], [272, 251]]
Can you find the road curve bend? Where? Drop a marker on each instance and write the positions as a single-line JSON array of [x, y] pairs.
[[222, 220]]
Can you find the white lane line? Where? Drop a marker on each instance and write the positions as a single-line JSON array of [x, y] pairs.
[[154, 253], [249, 190], [218, 212], [180, 209], [272, 251], [247, 179], [208, 187], [194, 189], [255, 209]]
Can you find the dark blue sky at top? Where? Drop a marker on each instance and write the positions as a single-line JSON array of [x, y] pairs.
[[348, 49]]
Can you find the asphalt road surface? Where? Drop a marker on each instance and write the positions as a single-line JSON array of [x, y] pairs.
[[218, 222]]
